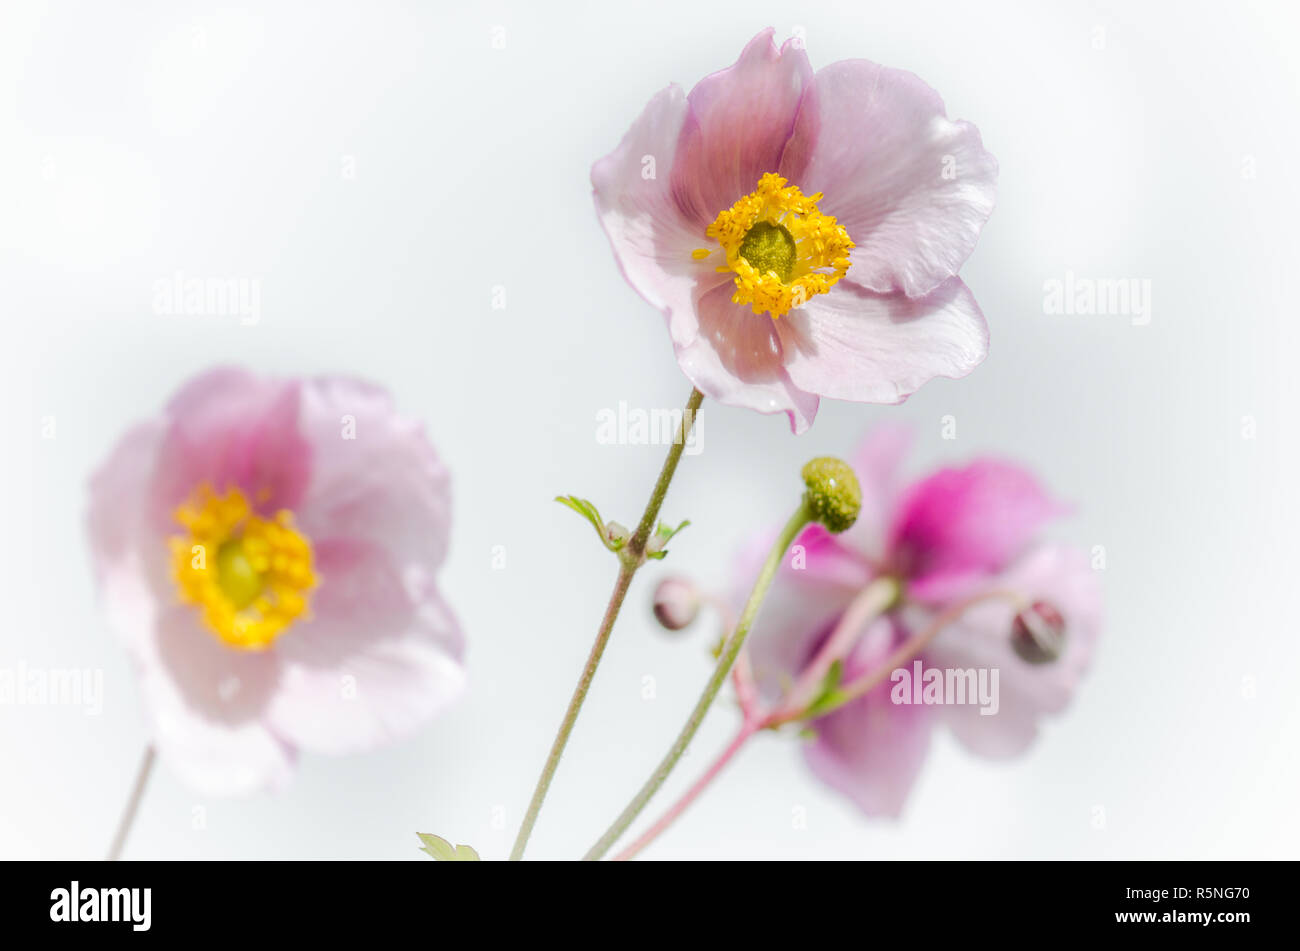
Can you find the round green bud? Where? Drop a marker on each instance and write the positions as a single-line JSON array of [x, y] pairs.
[[834, 496]]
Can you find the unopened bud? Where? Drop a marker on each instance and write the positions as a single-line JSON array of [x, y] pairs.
[[677, 603], [616, 536], [1038, 634], [833, 495]]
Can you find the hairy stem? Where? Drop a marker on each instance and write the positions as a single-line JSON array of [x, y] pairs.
[[798, 521], [630, 560]]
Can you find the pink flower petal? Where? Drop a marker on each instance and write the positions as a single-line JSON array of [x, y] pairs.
[[872, 749], [128, 561], [231, 429], [800, 609], [216, 682], [877, 462], [206, 702], [374, 477], [1027, 692], [817, 557], [736, 360], [652, 237], [373, 500], [854, 344], [378, 658], [912, 187], [959, 525], [741, 119]]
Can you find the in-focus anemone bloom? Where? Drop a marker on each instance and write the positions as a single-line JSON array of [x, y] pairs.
[[268, 551], [802, 232], [962, 546]]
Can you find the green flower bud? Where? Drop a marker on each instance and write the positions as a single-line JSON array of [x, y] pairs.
[[834, 496]]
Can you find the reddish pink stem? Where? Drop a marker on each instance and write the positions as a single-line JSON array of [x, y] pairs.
[[756, 719], [742, 676], [749, 728], [872, 602]]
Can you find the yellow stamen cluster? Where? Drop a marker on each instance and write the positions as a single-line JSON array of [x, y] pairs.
[[249, 576], [781, 248]]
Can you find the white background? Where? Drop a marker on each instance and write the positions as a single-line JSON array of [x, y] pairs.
[[139, 140]]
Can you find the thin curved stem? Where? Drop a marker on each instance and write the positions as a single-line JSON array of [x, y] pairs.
[[904, 652], [785, 714], [796, 524], [749, 728], [132, 804], [631, 558], [871, 602]]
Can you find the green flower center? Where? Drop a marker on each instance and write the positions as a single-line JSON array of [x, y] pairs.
[[237, 576], [769, 247]]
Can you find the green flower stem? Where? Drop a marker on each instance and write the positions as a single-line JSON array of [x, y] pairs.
[[797, 523], [630, 559], [747, 729]]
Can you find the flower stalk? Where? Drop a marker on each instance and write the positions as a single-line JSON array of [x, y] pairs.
[[876, 600], [631, 557], [797, 522], [133, 804]]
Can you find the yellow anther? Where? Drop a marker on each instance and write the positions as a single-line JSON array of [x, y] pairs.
[[249, 576], [781, 249]]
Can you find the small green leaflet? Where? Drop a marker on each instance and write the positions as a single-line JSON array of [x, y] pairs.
[[443, 851], [830, 695], [663, 535], [587, 510]]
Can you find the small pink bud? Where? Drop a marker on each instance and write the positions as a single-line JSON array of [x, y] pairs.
[[1038, 634], [677, 603]]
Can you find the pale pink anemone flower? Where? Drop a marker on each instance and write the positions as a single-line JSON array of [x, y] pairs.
[[802, 232], [963, 545], [267, 549]]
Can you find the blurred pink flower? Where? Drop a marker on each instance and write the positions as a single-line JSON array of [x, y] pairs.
[[802, 232], [954, 538], [267, 550]]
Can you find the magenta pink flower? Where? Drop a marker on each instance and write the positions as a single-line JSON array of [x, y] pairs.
[[802, 232], [267, 550], [962, 544]]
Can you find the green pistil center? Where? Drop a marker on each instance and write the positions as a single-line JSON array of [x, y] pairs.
[[238, 578], [769, 247]]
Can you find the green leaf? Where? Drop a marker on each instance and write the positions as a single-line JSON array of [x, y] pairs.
[[663, 535], [830, 695], [587, 511], [443, 851]]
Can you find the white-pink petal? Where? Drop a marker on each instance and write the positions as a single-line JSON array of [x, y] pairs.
[[855, 344], [737, 359], [374, 475], [912, 187], [740, 120], [1054, 573], [381, 654], [872, 750], [651, 237]]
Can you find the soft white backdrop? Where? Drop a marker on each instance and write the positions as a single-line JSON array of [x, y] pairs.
[[379, 168]]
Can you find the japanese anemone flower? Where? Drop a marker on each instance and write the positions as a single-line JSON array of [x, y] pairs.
[[267, 549], [962, 545], [802, 232]]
